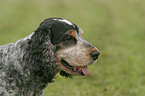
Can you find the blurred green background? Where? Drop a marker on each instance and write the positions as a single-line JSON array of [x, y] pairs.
[[115, 27]]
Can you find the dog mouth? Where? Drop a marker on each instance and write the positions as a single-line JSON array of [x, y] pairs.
[[79, 70]]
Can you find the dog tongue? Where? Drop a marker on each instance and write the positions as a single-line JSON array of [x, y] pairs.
[[85, 70]]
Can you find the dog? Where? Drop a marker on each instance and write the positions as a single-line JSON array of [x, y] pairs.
[[30, 64]]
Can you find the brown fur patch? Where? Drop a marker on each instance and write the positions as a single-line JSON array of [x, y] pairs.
[[73, 33]]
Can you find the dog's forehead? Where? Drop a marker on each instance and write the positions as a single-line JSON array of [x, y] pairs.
[[64, 21]]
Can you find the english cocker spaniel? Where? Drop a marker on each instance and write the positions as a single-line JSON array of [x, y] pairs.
[[30, 64]]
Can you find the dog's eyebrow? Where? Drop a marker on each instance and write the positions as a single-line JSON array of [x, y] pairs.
[[65, 21]]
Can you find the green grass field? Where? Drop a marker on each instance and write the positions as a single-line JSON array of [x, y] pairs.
[[115, 27]]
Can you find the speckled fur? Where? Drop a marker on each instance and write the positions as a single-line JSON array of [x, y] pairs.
[[77, 55], [22, 72], [30, 64]]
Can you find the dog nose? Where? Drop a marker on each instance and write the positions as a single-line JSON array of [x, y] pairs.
[[95, 54]]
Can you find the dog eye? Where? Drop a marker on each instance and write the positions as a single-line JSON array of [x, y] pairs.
[[68, 37], [69, 41]]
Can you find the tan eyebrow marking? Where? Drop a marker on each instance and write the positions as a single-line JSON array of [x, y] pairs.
[[73, 33]]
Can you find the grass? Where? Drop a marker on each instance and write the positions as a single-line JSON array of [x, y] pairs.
[[115, 27]]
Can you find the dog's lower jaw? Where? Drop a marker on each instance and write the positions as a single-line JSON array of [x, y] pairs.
[[65, 74]]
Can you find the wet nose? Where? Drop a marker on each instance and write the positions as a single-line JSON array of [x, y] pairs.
[[95, 54]]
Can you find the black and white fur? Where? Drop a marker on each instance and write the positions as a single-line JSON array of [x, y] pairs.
[[30, 64]]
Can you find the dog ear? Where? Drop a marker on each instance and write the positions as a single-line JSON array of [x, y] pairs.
[[40, 54]]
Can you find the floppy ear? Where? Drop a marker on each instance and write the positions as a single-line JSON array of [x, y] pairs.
[[40, 55]]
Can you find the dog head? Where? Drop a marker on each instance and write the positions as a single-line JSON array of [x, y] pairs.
[[72, 53]]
